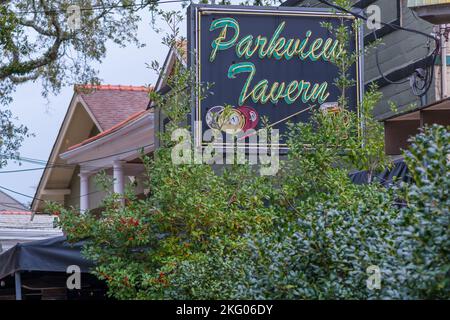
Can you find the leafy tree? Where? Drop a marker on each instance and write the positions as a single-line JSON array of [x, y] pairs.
[[43, 41], [11, 136], [39, 41]]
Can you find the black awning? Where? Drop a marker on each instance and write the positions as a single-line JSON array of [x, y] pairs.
[[398, 172], [51, 255]]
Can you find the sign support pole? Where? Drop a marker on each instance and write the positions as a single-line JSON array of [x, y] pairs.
[[18, 284]]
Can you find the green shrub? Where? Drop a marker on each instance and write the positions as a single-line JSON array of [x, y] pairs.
[[322, 249], [422, 268]]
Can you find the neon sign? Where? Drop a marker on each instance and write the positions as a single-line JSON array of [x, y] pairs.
[[271, 62]]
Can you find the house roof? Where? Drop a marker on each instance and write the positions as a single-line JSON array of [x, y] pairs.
[[124, 142], [178, 52], [112, 104], [110, 130], [19, 227], [8, 203], [101, 106]]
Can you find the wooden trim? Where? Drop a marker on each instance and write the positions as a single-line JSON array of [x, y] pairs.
[[397, 133], [56, 192]]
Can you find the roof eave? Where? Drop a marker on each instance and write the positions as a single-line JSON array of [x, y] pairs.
[[136, 123]]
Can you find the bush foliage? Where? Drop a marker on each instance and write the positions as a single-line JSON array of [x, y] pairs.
[[203, 235]]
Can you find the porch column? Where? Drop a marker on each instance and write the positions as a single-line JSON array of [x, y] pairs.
[[118, 178], [84, 192]]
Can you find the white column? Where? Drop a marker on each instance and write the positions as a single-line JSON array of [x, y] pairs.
[[118, 177], [84, 192]]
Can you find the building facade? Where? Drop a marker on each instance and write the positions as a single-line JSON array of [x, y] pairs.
[[394, 64]]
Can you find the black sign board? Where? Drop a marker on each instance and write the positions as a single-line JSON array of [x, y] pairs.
[[271, 62]]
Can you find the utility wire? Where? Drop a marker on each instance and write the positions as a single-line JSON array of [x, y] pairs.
[[62, 165], [428, 79], [74, 165], [14, 207], [381, 22], [429, 73], [36, 198], [377, 61], [100, 7], [34, 161], [20, 193], [28, 170]]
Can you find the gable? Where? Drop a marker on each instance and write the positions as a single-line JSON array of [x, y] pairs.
[[92, 110], [77, 125], [111, 105]]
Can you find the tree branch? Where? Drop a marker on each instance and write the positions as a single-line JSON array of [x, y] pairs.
[[22, 61], [32, 76]]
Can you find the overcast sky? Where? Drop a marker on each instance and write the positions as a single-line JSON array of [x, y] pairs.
[[125, 66]]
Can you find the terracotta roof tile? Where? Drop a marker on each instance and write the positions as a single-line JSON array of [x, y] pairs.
[[95, 87], [112, 104]]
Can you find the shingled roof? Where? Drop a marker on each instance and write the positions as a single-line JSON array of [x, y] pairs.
[[8, 203], [113, 129], [111, 105]]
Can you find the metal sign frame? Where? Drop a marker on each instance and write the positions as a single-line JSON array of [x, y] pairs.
[[195, 13]]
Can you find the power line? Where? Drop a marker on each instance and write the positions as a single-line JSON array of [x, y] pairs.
[[20, 193], [16, 207], [36, 198], [433, 55], [397, 27], [26, 170], [117, 154], [100, 7], [34, 161], [377, 61], [73, 165], [62, 165]]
